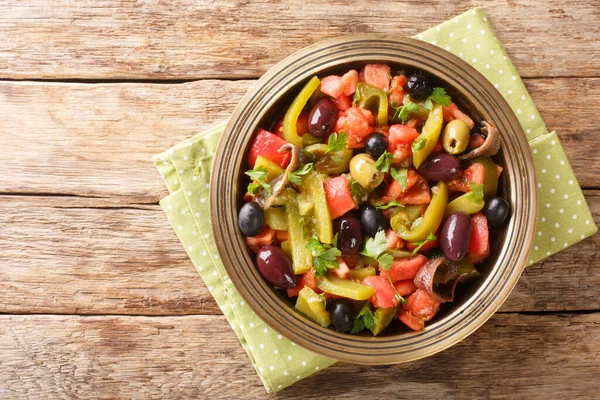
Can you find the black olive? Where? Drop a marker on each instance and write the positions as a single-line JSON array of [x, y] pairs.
[[418, 86], [276, 266], [251, 219], [372, 220], [322, 117], [342, 314], [376, 144], [496, 211], [349, 230]]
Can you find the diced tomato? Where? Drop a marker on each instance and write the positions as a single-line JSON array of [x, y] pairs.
[[343, 102], [430, 245], [393, 240], [341, 271], [398, 82], [337, 86], [403, 269], [376, 75], [475, 173], [264, 238], [281, 236], [476, 141], [400, 140], [339, 197], [418, 194], [267, 145], [404, 288], [248, 197], [394, 191], [397, 92], [306, 279], [452, 112], [421, 305], [355, 123], [414, 323], [385, 295], [479, 241]]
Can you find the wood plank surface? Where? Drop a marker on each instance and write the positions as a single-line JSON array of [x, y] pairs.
[[548, 356], [91, 256], [98, 139], [185, 39]]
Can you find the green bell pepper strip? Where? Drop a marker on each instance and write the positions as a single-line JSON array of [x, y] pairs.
[[425, 142], [291, 116], [490, 180], [370, 95], [466, 203], [312, 183], [301, 257], [433, 216]]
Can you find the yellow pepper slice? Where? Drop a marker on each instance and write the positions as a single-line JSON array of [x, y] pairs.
[[311, 305], [490, 180], [297, 236], [312, 183], [465, 204], [425, 142], [371, 96], [384, 317], [345, 288], [276, 219], [273, 170], [291, 116], [433, 216], [362, 273]]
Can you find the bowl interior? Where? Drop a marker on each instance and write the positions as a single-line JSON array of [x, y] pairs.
[[476, 301]]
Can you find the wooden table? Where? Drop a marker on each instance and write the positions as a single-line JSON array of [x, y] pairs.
[[98, 298]]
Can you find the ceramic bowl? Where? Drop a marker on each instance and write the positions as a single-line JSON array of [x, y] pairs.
[[477, 301]]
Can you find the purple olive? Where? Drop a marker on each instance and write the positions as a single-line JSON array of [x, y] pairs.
[[276, 266], [455, 236], [349, 233], [322, 117], [440, 167]]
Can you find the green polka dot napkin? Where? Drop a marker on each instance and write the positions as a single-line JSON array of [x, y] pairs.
[[564, 217]]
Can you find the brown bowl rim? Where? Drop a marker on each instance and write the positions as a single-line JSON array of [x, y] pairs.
[[230, 158]]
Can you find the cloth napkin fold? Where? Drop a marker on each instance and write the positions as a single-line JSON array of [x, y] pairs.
[[564, 217]]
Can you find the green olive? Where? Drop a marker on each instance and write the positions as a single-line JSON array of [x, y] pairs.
[[332, 163], [456, 136], [363, 171]]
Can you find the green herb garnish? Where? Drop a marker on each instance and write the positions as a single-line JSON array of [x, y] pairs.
[[294, 177], [419, 144], [476, 193], [376, 249], [364, 319], [325, 256], [404, 111], [259, 180], [337, 142], [429, 238], [439, 96], [355, 189], [355, 98], [384, 162], [398, 297], [393, 203], [400, 176]]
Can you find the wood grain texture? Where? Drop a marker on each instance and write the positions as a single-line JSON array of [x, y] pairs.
[[98, 139], [90, 256], [549, 356], [185, 39]]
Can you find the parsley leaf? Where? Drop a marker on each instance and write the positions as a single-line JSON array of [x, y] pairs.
[[400, 176], [365, 319], [337, 142], [335, 239], [404, 112], [476, 193], [439, 96], [398, 297], [393, 203], [259, 179], [355, 98], [376, 247], [419, 144], [355, 189], [294, 177], [324, 256], [384, 162], [429, 238]]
